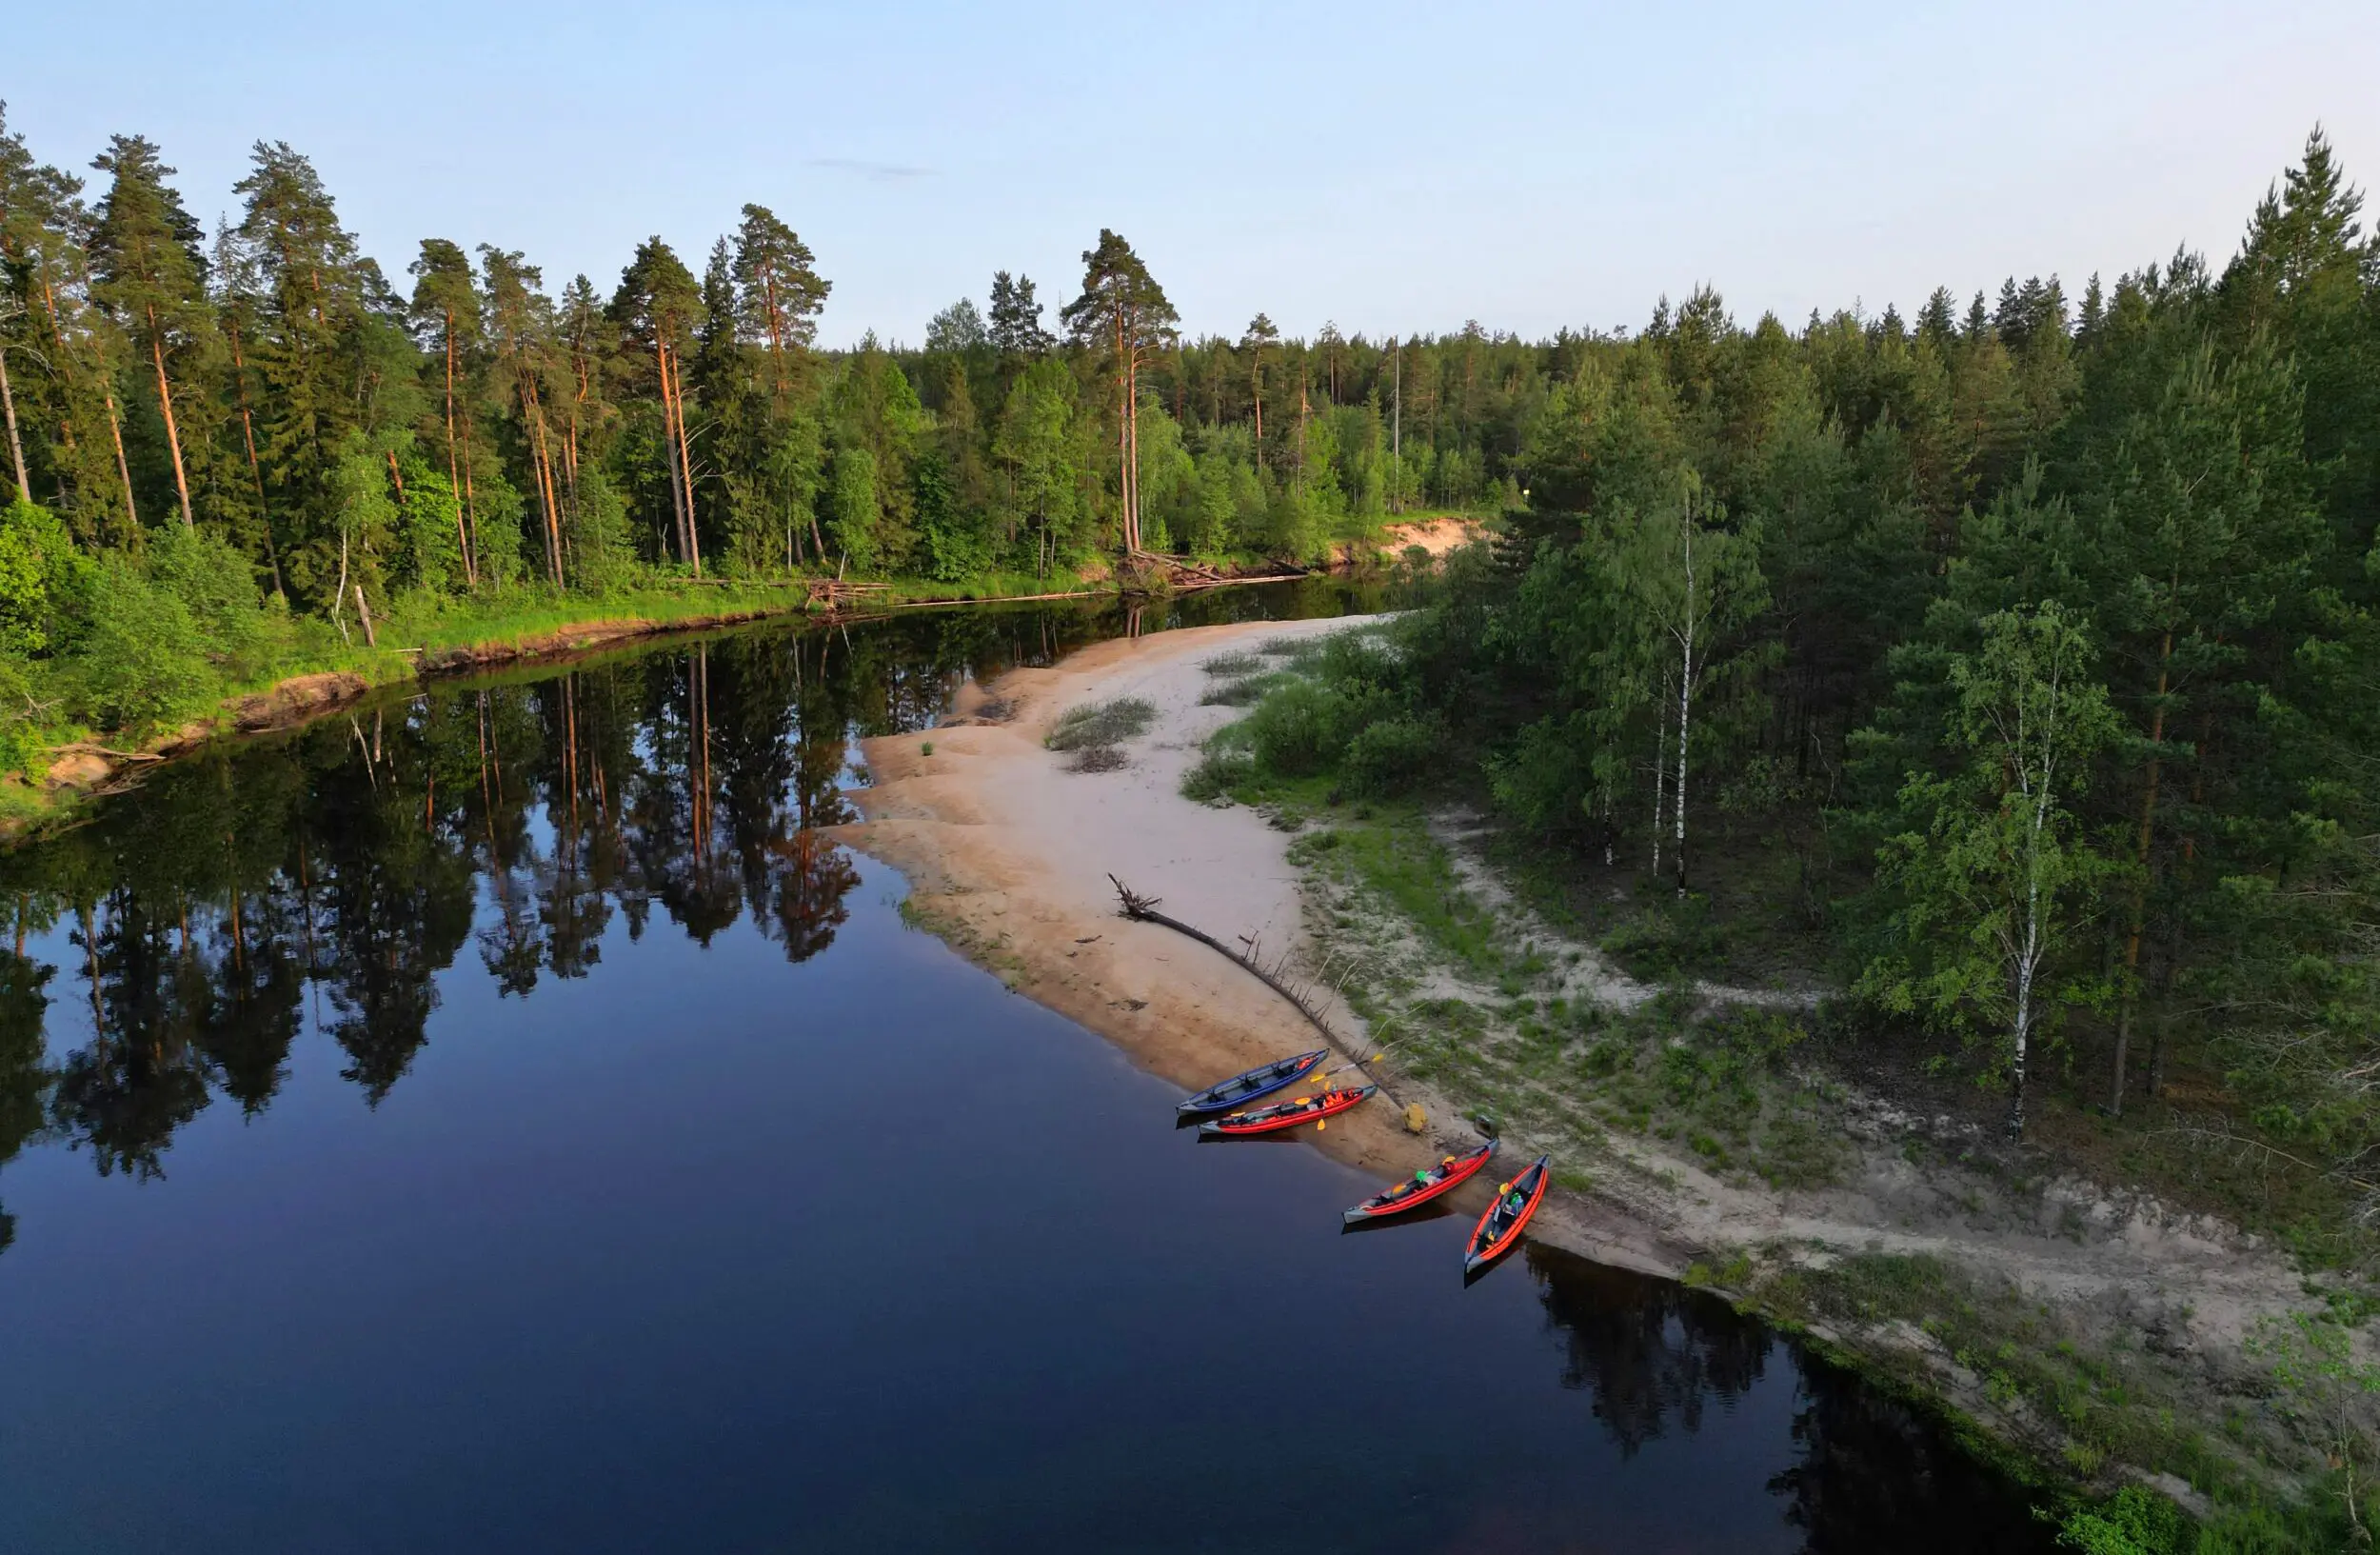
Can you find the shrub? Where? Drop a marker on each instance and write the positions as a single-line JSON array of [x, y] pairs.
[[144, 659], [1298, 729], [1667, 941], [2133, 1522], [1217, 776], [1393, 754], [44, 583], [215, 584], [20, 734]]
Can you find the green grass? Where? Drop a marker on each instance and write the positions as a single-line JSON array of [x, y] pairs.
[[1101, 723]]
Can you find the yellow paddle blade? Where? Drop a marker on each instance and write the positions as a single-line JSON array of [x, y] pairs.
[[1321, 1123]]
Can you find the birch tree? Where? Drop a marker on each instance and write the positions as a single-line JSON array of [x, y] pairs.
[[1994, 878], [1694, 581]]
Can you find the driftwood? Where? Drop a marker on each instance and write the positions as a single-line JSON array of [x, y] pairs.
[[1144, 910]]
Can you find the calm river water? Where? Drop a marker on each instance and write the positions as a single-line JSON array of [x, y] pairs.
[[494, 1121]]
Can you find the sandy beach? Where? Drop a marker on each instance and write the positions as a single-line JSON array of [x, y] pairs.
[[1008, 855]]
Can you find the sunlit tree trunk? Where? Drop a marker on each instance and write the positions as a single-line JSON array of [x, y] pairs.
[[165, 404], [16, 444]]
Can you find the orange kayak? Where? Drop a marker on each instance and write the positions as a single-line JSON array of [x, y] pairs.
[[1500, 1227], [1305, 1109]]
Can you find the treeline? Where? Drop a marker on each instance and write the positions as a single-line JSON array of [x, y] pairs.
[[202, 423], [2025, 649]]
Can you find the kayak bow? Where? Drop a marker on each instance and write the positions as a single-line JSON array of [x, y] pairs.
[[1262, 1081], [1500, 1227], [1322, 1104], [1404, 1195]]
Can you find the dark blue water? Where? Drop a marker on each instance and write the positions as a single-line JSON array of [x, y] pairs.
[[496, 1123]]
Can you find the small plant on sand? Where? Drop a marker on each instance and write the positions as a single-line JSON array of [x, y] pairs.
[[1229, 665], [1101, 722], [1217, 777], [1237, 693], [1098, 758]]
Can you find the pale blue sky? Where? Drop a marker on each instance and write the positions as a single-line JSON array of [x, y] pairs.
[[1392, 166]]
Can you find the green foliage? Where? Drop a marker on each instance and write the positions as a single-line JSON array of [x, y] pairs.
[[853, 514], [1994, 876], [145, 660], [215, 585], [2133, 1522], [44, 583]]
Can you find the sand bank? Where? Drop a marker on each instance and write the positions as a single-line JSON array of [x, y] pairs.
[[1008, 854]]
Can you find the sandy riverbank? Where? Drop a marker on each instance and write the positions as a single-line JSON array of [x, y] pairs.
[[1008, 855]]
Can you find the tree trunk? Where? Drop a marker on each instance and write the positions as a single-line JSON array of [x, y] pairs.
[[543, 461], [2140, 881], [454, 470], [1685, 698], [670, 448], [165, 404], [685, 465], [673, 405], [364, 614], [124, 469], [256, 468], [1660, 771], [16, 444]]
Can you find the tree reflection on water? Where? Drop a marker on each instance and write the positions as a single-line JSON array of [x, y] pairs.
[[1870, 1472], [352, 862]]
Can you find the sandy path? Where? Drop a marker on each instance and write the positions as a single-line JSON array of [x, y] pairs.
[[1008, 855]]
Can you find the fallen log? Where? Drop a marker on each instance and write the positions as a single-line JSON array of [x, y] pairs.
[[1142, 909]]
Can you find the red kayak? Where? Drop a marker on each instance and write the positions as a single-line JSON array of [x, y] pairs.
[[1500, 1227], [1446, 1176], [1305, 1109]]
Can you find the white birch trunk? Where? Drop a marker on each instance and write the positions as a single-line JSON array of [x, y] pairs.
[[1685, 698]]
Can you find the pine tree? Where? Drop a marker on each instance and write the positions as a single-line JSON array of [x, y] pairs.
[[1123, 312], [149, 273], [1015, 325], [655, 308], [309, 301], [445, 313]]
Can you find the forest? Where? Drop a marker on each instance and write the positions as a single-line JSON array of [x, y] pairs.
[[232, 453], [2013, 662]]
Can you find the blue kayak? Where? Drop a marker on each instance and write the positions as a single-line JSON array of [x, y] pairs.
[[1260, 1080]]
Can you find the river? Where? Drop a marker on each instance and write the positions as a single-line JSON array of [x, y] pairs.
[[497, 1121]]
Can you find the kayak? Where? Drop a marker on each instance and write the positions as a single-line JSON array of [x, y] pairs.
[[1444, 1178], [1322, 1104], [1500, 1227], [1262, 1081]]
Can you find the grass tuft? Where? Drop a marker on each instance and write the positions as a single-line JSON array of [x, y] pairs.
[[1101, 722]]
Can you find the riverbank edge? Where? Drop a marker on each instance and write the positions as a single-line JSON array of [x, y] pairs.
[[79, 770], [961, 892]]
